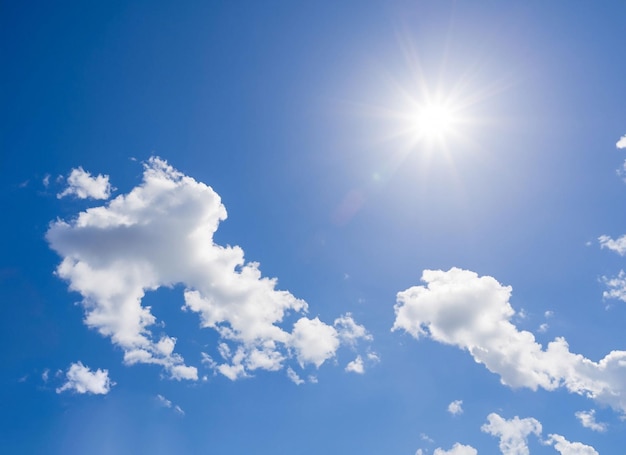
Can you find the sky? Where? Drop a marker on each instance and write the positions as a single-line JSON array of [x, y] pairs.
[[313, 227]]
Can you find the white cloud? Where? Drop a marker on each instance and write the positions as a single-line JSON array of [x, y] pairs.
[[616, 286], [45, 375], [513, 433], [456, 407], [82, 185], [543, 328], [588, 420], [314, 341], [373, 357], [81, 379], [622, 171], [293, 376], [457, 449], [356, 366], [564, 447], [161, 234], [162, 401], [619, 245], [460, 308], [349, 331], [425, 437], [621, 144]]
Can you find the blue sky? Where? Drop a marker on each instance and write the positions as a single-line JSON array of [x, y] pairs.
[[304, 227]]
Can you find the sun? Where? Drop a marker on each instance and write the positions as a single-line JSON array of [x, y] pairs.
[[434, 121]]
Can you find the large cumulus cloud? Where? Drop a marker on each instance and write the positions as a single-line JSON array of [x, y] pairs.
[[161, 234], [460, 308]]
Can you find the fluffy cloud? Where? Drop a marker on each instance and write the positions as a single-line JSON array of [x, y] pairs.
[[457, 449], [564, 447], [513, 433], [349, 331], [616, 286], [621, 144], [314, 341], [460, 308], [82, 185], [161, 234], [588, 420], [619, 245], [356, 366], [81, 379], [456, 407]]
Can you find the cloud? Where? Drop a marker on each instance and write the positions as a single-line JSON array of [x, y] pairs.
[[564, 447], [81, 379], [293, 376], [162, 401], [616, 286], [619, 245], [349, 331], [460, 308], [588, 420], [456, 407], [425, 437], [356, 366], [621, 144], [314, 341], [457, 449], [373, 357], [161, 234], [82, 185], [513, 433]]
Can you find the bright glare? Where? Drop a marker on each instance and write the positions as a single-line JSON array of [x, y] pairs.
[[434, 121]]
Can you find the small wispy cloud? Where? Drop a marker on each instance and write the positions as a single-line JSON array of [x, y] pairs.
[[425, 437], [164, 402], [616, 286], [616, 245], [588, 420], [621, 144], [293, 376]]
